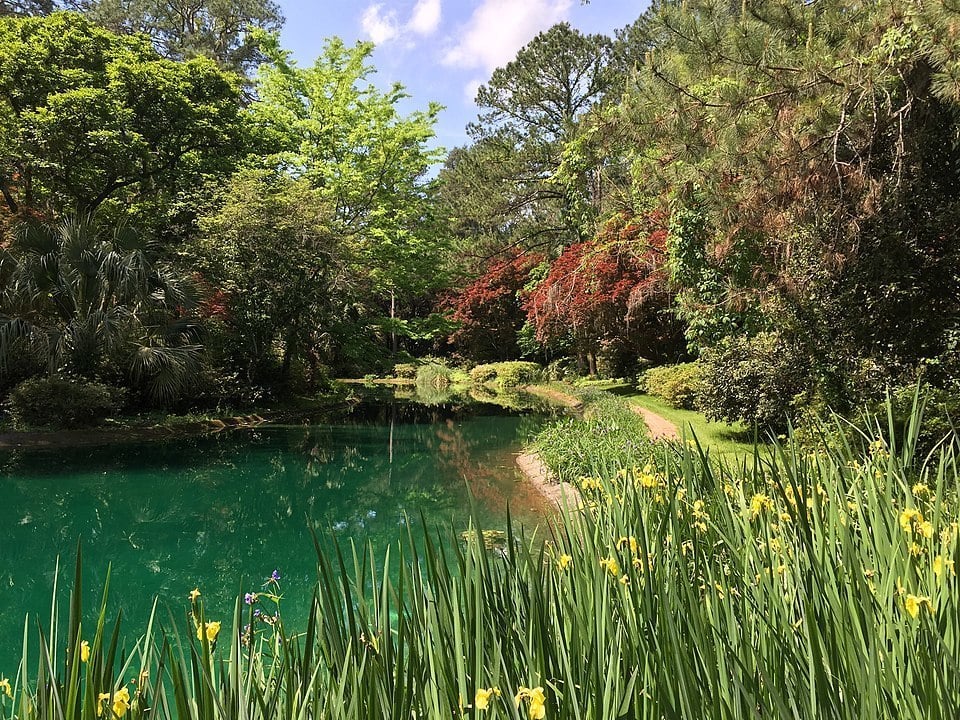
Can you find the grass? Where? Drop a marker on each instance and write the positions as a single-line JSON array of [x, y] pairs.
[[604, 437], [805, 585], [722, 438]]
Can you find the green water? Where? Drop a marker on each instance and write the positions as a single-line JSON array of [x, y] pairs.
[[221, 512]]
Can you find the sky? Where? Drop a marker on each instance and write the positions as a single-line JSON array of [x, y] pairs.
[[442, 50]]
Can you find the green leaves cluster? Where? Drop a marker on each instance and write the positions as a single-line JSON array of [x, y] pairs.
[[330, 233], [303, 217], [503, 190], [807, 154], [91, 117]]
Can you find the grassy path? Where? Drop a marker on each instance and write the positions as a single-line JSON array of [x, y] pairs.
[[721, 438], [660, 428]]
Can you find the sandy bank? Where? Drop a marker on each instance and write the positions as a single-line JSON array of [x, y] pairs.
[[562, 494]]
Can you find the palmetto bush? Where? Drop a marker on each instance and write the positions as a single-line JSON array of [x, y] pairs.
[[96, 302], [798, 586]]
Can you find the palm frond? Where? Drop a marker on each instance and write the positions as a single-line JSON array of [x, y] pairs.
[[166, 371]]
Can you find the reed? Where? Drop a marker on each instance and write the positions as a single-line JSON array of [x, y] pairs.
[[798, 584]]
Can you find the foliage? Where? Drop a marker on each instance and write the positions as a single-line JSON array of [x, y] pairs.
[[115, 122], [61, 402], [223, 30], [824, 584], [608, 292], [365, 160], [489, 310], [434, 375], [26, 7], [97, 302], [606, 436], [499, 190], [755, 379], [334, 130], [678, 385], [940, 416], [801, 151], [270, 251], [405, 371], [507, 374]]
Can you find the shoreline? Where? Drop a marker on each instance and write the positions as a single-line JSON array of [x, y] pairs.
[[561, 494], [92, 436]]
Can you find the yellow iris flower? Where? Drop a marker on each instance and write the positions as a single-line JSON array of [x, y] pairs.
[[913, 603], [537, 709], [611, 565], [482, 699], [212, 630], [84, 651], [5, 687], [119, 702]]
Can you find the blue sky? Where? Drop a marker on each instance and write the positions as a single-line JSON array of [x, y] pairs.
[[442, 50]]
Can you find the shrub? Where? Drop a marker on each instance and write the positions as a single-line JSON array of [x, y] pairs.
[[434, 375], [513, 374], [62, 402], [940, 417], [507, 374], [678, 385], [562, 369], [754, 379], [405, 371], [482, 374]]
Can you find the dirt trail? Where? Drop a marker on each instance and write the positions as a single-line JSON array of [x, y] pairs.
[[555, 396], [660, 428]]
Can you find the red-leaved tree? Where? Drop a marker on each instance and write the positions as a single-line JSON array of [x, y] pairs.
[[609, 296], [490, 310]]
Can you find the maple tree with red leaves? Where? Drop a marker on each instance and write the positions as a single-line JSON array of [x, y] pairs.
[[610, 294], [490, 309]]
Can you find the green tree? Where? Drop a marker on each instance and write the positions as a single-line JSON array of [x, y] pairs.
[[501, 190], [26, 7], [89, 117], [223, 30], [368, 164], [815, 145], [97, 302], [271, 250]]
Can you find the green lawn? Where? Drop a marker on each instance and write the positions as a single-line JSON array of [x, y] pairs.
[[721, 438]]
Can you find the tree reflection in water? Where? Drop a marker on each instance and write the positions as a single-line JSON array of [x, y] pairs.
[[213, 510]]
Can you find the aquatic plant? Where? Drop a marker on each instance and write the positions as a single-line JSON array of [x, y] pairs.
[[801, 585]]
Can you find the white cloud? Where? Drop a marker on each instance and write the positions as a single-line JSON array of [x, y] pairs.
[[379, 26], [425, 18], [498, 28], [470, 91]]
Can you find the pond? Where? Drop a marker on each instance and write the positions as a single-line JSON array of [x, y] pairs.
[[221, 512]]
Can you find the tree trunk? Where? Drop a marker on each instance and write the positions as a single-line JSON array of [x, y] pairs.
[[393, 316], [287, 360]]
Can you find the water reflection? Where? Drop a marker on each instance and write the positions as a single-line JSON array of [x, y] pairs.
[[221, 512]]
